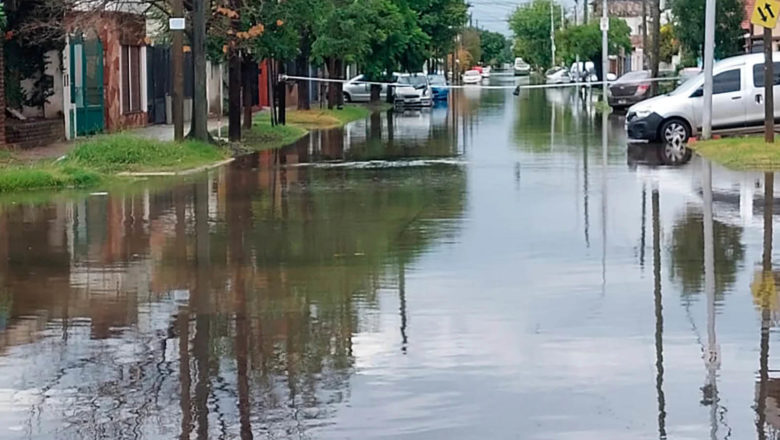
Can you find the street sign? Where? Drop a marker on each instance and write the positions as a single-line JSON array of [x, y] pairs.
[[177, 24], [604, 23], [765, 13]]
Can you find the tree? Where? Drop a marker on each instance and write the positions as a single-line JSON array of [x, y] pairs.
[[441, 21], [495, 48], [688, 26], [472, 44], [530, 24], [585, 41], [669, 44]]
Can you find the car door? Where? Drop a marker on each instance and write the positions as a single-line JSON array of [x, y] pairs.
[[755, 104], [728, 100]]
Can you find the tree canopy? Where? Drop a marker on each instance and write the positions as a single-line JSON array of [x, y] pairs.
[[495, 48], [689, 28], [531, 25], [585, 40]]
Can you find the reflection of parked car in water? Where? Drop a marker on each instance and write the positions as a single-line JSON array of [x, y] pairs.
[[658, 154], [413, 90], [472, 77], [439, 87], [557, 75], [737, 102], [629, 89], [358, 90], [521, 67]]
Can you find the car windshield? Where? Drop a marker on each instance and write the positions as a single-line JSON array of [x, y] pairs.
[[414, 81], [471, 73], [438, 80], [639, 75], [553, 71], [688, 85]]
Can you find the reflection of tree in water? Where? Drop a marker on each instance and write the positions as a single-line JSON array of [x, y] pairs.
[[272, 279], [687, 254]]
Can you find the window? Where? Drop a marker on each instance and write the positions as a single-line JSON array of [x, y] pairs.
[[131, 79], [758, 74], [725, 82]]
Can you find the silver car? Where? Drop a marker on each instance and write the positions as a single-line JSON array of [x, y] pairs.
[[358, 90], [737, 102], [413, 90]]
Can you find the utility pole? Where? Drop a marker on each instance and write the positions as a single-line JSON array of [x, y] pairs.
[[769, 98], [177, 70], [585, 12], [709, 49], [644, 34], [604, 50], [552, 35]]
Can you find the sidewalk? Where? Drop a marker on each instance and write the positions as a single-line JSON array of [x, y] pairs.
[[159, 132]]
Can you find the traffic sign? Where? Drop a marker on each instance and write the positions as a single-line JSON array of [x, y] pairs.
[[765, 13], [604, 24]]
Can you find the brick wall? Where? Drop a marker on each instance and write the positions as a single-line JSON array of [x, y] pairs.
[[31, 134]]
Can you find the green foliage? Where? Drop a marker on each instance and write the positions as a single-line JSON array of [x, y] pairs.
[[264, 136], [669, 45], [472, 44], [440, 20], [20, 178], [530, 24], [123, 152], [689, 27], [495, 48], [585, 40], [341, 33]]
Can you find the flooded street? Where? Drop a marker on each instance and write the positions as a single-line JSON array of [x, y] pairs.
[[481, 270]]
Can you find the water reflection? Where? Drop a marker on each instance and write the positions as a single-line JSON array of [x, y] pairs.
[[217, 308]]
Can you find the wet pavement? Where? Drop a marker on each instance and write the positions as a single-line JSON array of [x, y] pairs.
[[482, 270]]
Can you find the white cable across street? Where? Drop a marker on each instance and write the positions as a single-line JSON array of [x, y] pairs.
[[479, 86]]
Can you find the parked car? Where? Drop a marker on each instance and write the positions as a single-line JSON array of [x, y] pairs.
[[558, 75], [472, 77], [629, 89], [358, 90], [737, 101], [413, 90], [687, 73], [521, 67], [486, 71], [439, 88], [582, 71]]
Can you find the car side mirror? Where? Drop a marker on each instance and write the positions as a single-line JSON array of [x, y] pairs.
[[698, 93]]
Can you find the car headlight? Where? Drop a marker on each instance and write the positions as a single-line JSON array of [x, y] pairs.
[[641, 114]]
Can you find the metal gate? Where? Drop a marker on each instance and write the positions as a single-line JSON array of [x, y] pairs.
[[158, 69], [86, 82]]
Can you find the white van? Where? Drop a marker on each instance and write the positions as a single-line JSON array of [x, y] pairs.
[[737, 102], [521, 67]]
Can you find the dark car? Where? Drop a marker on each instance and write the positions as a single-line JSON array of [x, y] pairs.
[[629, 89]]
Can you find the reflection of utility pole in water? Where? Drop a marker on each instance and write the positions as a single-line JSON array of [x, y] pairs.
[[712, 353], [183, 322], [642, 240], [201, 303], [402, 300], [766, 289], [603, 201], [585, 182], [659, 307]]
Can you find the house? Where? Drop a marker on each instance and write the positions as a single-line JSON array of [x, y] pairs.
[[631, 12]]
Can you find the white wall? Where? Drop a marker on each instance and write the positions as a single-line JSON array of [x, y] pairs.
[[53, 108]]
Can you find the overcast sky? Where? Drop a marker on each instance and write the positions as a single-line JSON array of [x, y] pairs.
[[492, 14]]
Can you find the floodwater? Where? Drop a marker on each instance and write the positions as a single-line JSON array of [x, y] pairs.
[[483, 270]]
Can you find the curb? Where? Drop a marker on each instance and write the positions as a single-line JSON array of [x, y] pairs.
[[176, 173]]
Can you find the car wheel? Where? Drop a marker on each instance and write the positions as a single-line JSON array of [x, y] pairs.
[[674, 131], [347, 97]]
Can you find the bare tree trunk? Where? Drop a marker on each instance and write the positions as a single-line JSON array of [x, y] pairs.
[[200, 118], [656, 43], [332, 88], [376, 91], [246, 79], [302, 69], [234, 96], [282, 118], [339, 86]]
